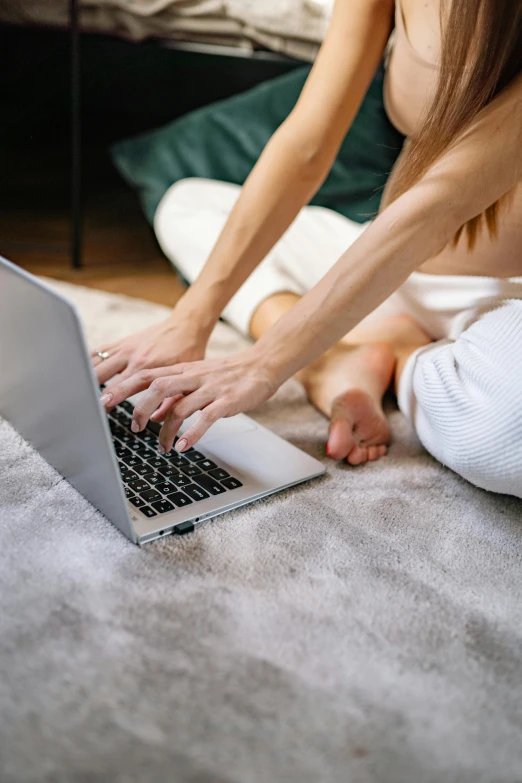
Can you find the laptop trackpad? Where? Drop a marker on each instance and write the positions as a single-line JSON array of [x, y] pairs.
[[224, 428]]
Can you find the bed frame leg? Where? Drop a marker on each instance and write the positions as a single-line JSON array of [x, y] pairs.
[[76, 149]]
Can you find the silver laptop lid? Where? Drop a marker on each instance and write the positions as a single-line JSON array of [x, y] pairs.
[[48, 390]]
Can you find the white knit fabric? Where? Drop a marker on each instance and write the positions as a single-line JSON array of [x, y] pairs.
[[192, 214], [461, 393], [464, 400]]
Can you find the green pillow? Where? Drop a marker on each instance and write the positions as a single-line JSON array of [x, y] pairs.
[[223, 141]]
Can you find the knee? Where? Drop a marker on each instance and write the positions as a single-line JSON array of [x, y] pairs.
[[197, 193], [469, 420]]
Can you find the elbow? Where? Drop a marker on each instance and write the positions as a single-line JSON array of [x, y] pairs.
[[314, 156]]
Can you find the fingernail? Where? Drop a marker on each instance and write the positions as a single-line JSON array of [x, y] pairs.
[[105, 398], [181, 445], [162, 449], [328, 451], [135, 427]]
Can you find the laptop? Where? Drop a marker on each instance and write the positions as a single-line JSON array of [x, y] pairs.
[[49, 393]]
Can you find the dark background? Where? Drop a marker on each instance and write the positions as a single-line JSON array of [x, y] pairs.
[[126, 88]]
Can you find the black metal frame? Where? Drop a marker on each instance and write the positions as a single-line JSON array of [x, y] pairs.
[[76, 142]]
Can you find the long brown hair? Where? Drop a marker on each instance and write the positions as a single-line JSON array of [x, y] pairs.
[[481, 52]]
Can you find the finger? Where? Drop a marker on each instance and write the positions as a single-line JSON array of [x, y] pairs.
[[157, 390], [127, 372], [138, 382], [160, 414], [110, 349], [169, 431], [110, 367], [177, 415], [190, 403], [205, 420]]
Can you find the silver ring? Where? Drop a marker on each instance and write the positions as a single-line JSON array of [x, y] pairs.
[[103, 355]]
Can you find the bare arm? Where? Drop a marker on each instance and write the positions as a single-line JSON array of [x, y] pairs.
[[299, 156], [290, 170], [481, 166]]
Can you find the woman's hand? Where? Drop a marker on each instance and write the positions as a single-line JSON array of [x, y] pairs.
[[219, 388], [177, 339]]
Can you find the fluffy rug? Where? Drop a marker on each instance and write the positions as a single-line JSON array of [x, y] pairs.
[[364, 628]]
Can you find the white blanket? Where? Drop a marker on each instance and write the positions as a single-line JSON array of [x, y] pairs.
[[292, 27]]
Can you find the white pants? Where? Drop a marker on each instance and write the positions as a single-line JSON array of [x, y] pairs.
[[462, 393]]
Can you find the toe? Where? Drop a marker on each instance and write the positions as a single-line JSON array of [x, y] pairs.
[[358, 455], [340, 439], [373, 453]]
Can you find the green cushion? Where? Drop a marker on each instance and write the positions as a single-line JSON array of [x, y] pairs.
[[224, 140]]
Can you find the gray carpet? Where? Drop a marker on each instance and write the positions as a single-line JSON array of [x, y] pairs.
[[366, 627]]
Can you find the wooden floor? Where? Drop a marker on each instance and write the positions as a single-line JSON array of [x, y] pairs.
[[120, 253]]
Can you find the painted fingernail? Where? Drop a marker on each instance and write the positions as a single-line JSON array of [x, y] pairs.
[[162, 449], [135, 427], [181, 445], [105, 399], [328, 451]]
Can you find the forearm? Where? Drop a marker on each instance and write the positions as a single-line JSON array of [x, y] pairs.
[[298, 157], [474, 173], [404, 236], [278, 187]]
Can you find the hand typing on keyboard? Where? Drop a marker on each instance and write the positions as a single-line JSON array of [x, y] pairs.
[[155, 484], [218, 388], [177, 339]]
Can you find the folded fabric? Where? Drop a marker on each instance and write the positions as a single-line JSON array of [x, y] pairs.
[[287, 26], [224, 140]]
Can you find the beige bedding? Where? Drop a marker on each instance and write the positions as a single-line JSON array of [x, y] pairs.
[[292, 27]]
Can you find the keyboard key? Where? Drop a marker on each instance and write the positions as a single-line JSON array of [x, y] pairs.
[[121, 417], [147, 437], [128, 493], [155, 478], [127, 475], [127, 438], [138, 502], [158, 462], [180, 481], [127, 406], [196, 493], [169, 472], [116, 430], [180, 499], [143, 451], [144, 470], [133, 461], [219, 474], [176, 459], [150, 495], [191, 470], [162, 506], [210, 484], [148, 511], [139, 485], [206, 464], [122, 451], [154, 426], [231, 483], [166, 487], [194, 456]]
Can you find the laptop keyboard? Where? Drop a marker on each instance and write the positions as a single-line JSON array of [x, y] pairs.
[[156, 484]]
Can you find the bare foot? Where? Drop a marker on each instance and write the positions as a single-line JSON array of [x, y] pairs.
[[347, 384]]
